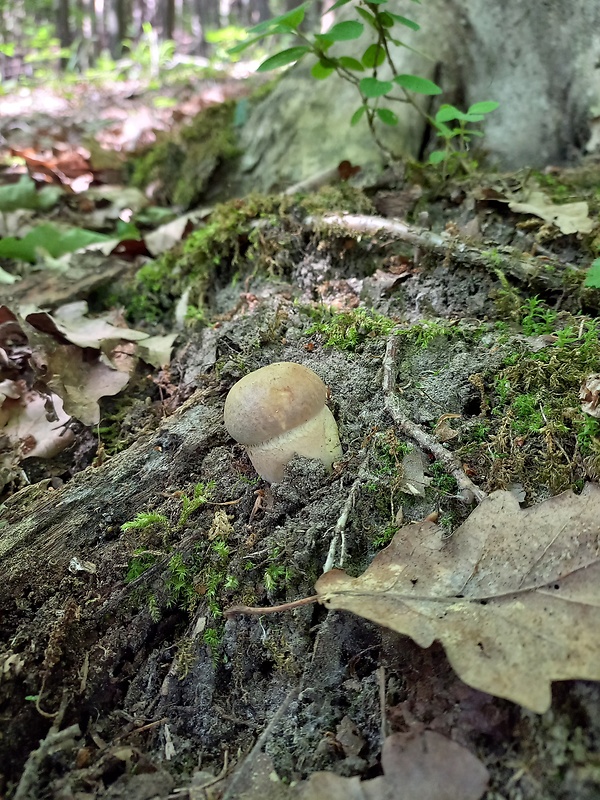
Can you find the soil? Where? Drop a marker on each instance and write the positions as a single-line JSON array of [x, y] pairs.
[[120, 677]]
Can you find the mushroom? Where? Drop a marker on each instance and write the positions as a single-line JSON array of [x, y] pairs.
[[279, 411]]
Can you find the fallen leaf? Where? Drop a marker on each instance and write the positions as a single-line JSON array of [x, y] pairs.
[[426, 767], [590, 394], [156, 350], [82, 381], [414, 480], [70, 323], [568, 217], [513, 595]]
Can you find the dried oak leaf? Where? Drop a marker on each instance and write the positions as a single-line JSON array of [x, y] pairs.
[[568, 217], [513, 596], [70, 323], [426, 767]]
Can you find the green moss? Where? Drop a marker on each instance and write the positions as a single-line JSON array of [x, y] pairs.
[[346, 330], [182, 164], [209, 254], [140, 562], [537, 433], [441, 479]]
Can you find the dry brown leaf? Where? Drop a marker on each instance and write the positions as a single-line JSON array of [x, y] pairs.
[[514, 595], [70, 323], [426, 767], [568, 217]]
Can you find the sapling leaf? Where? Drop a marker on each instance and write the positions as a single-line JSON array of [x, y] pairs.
[[373, 56], [386, 19], [283, 58], [483, 108], [416, 84], [324, 42], [592, 279], [351, 63], [386, 116], [239, 48], [292, 19], [373, 87], [436, 157], [367, 17], [447, 112], [345, 31], [409, 23], [337, 4], [357, 116], [320, 71]]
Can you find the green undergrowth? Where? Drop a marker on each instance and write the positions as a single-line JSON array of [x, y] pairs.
[[182, 164], [259, 234], [533, 430], [209, 571]]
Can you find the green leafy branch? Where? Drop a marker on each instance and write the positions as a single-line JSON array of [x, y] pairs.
[[363, 73]]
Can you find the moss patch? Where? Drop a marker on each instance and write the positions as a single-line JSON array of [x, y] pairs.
[[183, 163]]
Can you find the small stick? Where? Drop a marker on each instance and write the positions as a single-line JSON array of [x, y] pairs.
[[257, 611], [508, 260], [340, 528], [426, 440]]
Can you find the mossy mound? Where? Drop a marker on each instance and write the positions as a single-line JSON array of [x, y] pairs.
[[182, 164]]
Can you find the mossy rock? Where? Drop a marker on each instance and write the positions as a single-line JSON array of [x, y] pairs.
[[183, 163]]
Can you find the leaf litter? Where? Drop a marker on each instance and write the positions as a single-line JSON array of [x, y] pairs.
[[55, 368], [513, 595], [427, 765]]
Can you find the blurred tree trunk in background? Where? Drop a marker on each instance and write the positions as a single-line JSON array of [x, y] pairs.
[[89, 28], [167, 26], [63, 27]]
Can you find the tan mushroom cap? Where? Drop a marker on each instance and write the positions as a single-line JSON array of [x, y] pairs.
[[272, 400]]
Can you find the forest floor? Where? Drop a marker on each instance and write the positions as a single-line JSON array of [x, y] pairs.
[[449, 317]]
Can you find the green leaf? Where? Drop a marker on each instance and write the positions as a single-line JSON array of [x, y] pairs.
[[284, 57], [373, 87], [357, 116], [447, 112], [344, 31], [386, 116], [443, 130], [413, 83], [436, 157], [367, 17], [351, 63], [338, 4], [291, 19], [409, 23], [484, 107], [373, 56], [320, 71], [386, 19], [592, 279], [23, 194], [55, 241], [239, 48], [323, 42]]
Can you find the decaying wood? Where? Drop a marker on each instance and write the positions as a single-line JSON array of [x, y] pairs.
[[541, 273]]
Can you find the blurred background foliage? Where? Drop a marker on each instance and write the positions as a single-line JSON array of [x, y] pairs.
[[127, 39]]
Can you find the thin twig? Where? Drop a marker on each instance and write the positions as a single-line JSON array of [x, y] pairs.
[[339, 535], [55, 742], [469, 490], [241, 776], [257, 611], [507, 260]]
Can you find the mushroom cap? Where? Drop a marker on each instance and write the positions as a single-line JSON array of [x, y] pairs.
[[272, 400]]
